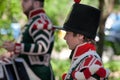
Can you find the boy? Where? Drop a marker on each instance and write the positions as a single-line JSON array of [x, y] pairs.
[[81, 27]]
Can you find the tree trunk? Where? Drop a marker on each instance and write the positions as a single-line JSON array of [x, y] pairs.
[[106, 7]]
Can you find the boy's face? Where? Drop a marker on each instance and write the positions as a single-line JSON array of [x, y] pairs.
[[72, 40]]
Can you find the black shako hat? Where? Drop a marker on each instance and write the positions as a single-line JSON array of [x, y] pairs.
[[83, 19]]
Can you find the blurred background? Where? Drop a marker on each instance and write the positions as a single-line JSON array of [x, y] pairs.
[[12, 21]]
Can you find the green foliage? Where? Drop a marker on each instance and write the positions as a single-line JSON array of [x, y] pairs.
[[113, 65], [10, 11], [16, 10], [94, 3], [59, 43], [4, 23], [12, 6], [5, 31], [2, 6], [115, 46], [60, 67], [117, 5], [114, 79], [57, 10]]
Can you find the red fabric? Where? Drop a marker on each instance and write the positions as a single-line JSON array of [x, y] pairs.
[[88, 60], [98, 62], [53, 28], [16, 45], [84, 48], [34, 26], [46, 25], [63, 76], [101, 72], [73, 74], [77, 1], [35, 12], [39, 21], [87, 73]]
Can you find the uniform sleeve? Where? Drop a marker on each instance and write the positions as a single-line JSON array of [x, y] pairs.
[[89, 67], [42, 35], [89, 71]]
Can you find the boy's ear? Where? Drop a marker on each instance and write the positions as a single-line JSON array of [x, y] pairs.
[[81, 36]]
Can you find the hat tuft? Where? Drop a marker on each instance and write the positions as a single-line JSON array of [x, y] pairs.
[[77, 1]]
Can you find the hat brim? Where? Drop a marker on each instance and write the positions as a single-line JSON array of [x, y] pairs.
[[59, 28]]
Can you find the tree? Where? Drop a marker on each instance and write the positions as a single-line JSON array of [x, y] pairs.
[[106, 7]]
